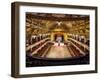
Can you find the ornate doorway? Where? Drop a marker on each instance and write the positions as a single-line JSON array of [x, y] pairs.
[[59, 37]]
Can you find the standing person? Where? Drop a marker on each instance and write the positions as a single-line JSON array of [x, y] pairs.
[[59, 39]]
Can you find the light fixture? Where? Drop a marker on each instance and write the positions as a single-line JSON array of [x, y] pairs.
[[59, 23]]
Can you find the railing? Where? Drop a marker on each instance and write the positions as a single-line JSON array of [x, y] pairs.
[[81, 52], [81, 44], [34, 52], [37, 43]]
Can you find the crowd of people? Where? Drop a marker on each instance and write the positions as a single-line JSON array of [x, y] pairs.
[[81, 39], [35, 38]]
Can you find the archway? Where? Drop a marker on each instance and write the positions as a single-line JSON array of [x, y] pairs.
[[59, 36]]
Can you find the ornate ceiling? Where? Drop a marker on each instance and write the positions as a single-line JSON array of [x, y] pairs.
[[40, 23]]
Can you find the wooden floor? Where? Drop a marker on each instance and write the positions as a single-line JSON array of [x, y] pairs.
[[58, 52]]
